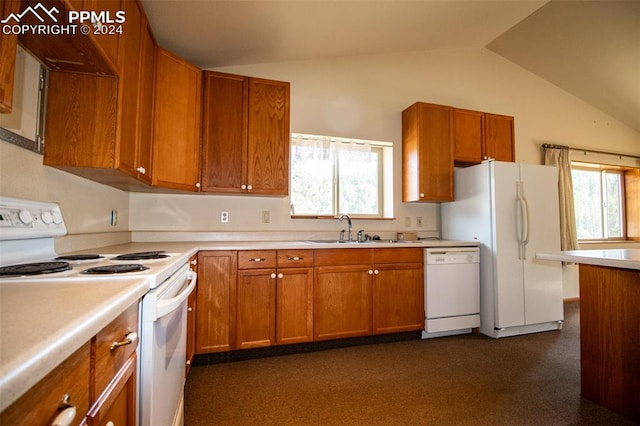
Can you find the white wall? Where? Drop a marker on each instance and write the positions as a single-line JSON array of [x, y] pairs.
[[363, 97], [359, 97]]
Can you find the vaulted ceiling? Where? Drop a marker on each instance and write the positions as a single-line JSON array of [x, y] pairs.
[[588, 48]]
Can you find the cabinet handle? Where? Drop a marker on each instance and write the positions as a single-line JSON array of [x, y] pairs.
[[280, 275], [249, 187], [273, 275], [189, 309], [194, 262], [197, 184], [422, 195], [295, 258], [243, 186], [67, 412], [257, 259], [188, 362], [129, 338], [376, 272], [370, 271], [141, 170], [65, 417]]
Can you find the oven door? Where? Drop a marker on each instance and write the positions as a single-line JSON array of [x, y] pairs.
[[163, 350]]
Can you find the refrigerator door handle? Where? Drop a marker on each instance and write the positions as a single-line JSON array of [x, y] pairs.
[[522, 224]]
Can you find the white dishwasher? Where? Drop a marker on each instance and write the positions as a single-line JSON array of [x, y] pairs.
[[451, 291]]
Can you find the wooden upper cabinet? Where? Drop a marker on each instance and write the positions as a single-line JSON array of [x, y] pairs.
[[468, 134], [269, 137], [129, 84], [427, 153], [100, 127], [479, 136], [224, 132], [499, 137], [8, 44], [245, 135], [176, 129]]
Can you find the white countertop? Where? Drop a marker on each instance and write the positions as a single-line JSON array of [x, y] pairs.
[[42, 323], [616, 258]]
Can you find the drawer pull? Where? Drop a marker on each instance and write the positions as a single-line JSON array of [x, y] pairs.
[[65, 417], [129, 338], [257, 259], [295, 258]]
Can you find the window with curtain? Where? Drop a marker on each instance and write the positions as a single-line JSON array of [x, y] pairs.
[[332, 175], [599, 196]]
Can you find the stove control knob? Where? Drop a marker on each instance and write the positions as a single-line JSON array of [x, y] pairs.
[[25, 217], [47, 218], [57, 217]]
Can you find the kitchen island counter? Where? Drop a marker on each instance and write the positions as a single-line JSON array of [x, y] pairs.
[[609, 326], [42, 323]]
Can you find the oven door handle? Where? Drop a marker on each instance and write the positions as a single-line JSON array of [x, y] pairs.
[[165, 307]]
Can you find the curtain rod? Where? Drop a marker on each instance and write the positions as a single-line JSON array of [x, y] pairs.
[[592, 151]]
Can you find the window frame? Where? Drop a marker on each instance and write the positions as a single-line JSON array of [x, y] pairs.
[[384, 151], [603, 170]]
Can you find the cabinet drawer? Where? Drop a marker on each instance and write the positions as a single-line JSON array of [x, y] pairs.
[[349, 256], [39, 406], [398, 255], [108, 361], [256, 259], [295, 258]]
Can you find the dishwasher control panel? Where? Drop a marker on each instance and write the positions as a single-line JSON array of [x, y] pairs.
[[453, 255]]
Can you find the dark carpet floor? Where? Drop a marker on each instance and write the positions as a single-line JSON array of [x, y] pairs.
[[461, 380]]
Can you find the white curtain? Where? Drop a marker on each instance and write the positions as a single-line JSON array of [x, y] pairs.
[[560, 157], [326, 147]]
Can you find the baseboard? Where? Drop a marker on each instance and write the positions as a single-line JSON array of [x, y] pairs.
[[571, 299]]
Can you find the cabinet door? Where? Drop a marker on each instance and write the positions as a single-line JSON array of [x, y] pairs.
[[427, 153], [268, 137], [129, 81], [398, 298], [191, 319], [256, 311], [224, 138], [499, 137], [467, 134], [342, 302], [117, 405], [216, 301], [294, 304], [81, 121], [176, 130], [8, 44], [145, 112]]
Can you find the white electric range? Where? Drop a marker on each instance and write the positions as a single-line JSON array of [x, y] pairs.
[[27, 255]]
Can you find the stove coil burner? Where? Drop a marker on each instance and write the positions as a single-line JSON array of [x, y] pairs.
[[37, 268], [80, 257], [143, 255], [114, 269]]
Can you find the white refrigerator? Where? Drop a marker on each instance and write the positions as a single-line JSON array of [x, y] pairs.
[[512, 210]]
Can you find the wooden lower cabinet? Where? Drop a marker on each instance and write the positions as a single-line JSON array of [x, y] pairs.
[[216, 301], [368, 291], [256, 298], [398, 294], [342, 301], [275, 300], [99, 382]]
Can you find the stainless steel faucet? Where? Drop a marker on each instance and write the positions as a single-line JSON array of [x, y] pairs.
[[346, 216]]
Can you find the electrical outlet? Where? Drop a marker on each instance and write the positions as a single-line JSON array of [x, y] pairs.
[[419, 221], [224, 216], [407, 222], [266, 216]]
